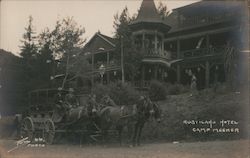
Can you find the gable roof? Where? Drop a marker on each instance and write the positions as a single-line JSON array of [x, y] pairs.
[[99, 41]]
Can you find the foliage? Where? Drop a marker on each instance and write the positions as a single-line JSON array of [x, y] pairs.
[[231, 57], [53, 52], [206, 106], [132, 58], [12, 83], [157, 91], [66, 43], [162, 10], [123, 94], [175, 89], [100, 91], [29, 47], [29, 53]]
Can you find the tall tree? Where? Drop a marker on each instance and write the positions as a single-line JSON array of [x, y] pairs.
[[29, 53], [29, 48], [64, 44], [162, 10], [46, 66], [132, 58], [231, 63]]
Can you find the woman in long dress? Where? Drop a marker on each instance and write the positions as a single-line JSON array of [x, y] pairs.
[[193, 85]]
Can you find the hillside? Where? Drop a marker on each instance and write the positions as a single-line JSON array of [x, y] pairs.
[[11, 82], [206, 105]]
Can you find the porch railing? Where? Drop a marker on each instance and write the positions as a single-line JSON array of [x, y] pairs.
[[110, 65], [206, 19], [156, 53], [203, 52], [140, 84]]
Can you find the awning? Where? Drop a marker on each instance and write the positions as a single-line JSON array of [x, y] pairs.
[[163, 61]]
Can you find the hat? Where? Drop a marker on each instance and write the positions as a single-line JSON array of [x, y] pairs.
[[141, 97], [71, 89]]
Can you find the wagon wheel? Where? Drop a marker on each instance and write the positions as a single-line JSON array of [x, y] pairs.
[[27, 128], [49, 131]]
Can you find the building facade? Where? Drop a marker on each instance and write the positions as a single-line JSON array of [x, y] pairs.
[[191, 40]]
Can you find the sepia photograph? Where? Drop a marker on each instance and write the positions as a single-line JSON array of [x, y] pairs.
[[124, 79]]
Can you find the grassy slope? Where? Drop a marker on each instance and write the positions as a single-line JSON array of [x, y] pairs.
[[203, 106]]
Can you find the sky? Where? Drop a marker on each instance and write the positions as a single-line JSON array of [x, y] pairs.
[[93, 15]]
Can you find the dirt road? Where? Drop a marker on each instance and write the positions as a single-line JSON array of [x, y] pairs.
[[216, 149]]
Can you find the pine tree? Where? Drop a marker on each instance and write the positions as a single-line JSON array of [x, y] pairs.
[[29, 48], [29, 54], [132, 58], [162, 10]]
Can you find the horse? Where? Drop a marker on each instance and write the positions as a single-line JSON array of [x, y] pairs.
[[144, 113], [80, 117], [117, 117], [130, 116]]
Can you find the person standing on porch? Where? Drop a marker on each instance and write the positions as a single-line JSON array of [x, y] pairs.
[[199, 79], [190, 73], [193, 86], [216, 76]]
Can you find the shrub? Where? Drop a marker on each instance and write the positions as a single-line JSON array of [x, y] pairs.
[[157, 91], [175, 89], [123, 93], [100, 91]]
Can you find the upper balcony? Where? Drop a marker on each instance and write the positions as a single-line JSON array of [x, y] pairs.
[[112, 65], [156, 53], [202, 52]]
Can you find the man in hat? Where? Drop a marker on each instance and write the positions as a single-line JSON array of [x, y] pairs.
[[59, 98], [141, 103], [193, 85], [92, 105], [70, 99], [108, 101]]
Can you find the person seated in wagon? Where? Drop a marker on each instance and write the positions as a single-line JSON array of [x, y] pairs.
[[70, 99], [108, 101], [58, 98], [92, 105]]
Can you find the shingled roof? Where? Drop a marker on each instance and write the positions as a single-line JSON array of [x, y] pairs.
[[148, 15], [148, 12]]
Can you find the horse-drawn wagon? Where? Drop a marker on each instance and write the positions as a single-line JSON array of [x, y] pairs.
[[46, 116], [49, 114]]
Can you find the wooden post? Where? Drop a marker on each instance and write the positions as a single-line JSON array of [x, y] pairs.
[[155, 71], [156, 41], [207, 44], [107, 67], [133, 39], [143, 40], [207, 74], [143, 75], [178, 49], [178, 72], [162, 44], [122, 61], [108, 77], [92, 67], [108, 59]]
